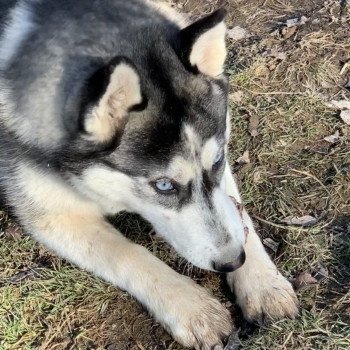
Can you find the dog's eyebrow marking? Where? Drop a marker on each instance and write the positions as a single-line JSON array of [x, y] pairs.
[[209, 151], [181, 170], [19, 25], [193, 141]]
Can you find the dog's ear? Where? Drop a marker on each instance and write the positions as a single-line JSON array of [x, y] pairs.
[[111, 93], [202, 44]]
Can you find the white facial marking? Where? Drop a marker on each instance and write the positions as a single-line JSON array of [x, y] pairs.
[[193, 140], [210, 151], [19, 27], [109, 188], [181, 170]]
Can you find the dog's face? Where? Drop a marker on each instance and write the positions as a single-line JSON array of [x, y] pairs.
[[169, 166], [187, 204]]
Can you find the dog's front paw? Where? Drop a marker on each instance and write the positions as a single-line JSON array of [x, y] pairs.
[[196, 319], [264, 296]]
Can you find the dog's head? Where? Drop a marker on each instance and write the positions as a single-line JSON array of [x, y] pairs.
[[159, 128]]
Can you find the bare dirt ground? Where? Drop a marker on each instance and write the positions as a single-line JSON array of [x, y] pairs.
[[282, 81]]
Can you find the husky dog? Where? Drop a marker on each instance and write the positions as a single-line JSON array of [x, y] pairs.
[[109, 106]]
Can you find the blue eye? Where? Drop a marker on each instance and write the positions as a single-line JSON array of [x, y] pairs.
[[164, 186]]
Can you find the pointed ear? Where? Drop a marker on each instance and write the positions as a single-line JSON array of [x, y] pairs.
[[112, 92], [203, 45]]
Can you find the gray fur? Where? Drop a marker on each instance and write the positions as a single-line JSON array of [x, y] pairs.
[[70, 40]]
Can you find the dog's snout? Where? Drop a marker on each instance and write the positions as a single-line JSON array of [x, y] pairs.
[[226, 267], [230, 266]]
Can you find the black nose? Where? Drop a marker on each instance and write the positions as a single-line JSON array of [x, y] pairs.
[[230, 266]]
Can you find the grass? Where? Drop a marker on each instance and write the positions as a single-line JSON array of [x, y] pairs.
[[45, 303]]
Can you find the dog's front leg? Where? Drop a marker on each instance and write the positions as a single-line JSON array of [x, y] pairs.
[[191, 315], [261, 291]]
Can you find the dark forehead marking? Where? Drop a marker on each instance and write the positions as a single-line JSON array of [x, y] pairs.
[[170, 109], [208, 184], [162, 139], [185, 194]]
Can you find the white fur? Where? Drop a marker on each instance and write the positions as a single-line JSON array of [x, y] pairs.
[[193, 141], [229, 183], [209, 151], [17, 30], [181, 170], [188, 232], [110, 189]]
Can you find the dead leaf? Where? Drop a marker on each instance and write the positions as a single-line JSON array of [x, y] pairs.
[[244, 159], [288, 32], [275, 53], [270, 243], [306, 220], [320, 146], [298, 21], [111, 347], [236, 96], [237, 33], [271, 66], [24, 275], [304, 280], [14, 232], [253, 125], [321, 273], [341, 104], [261, 71], [257, 176], [345, 116], [334, 138]]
